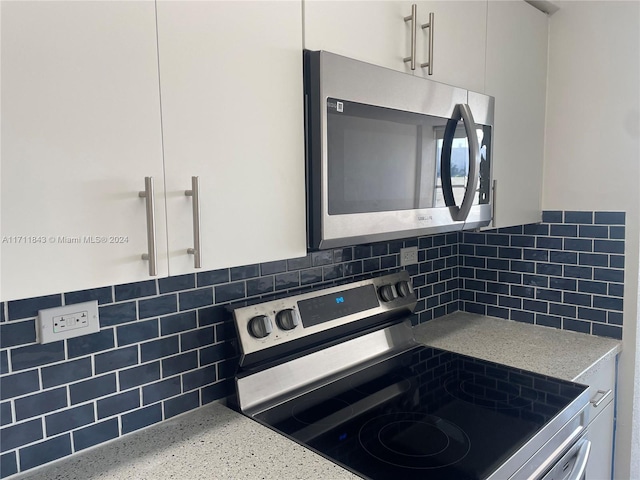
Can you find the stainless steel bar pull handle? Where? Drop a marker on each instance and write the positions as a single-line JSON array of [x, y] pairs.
[[151, 255], [429, 63], [603, 395], [412, 18], [196, 250]]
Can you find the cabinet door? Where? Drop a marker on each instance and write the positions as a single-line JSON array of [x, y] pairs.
[[601, 437], [375, 32], [370, 31], [232, 111], [459, 36], [601, 379], [516, 75], [80, 131]]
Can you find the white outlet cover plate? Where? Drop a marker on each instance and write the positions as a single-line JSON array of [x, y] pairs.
[[69, 321], [408, 256]]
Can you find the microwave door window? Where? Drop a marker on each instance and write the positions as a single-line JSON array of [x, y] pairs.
[[459, 166], [379, 159]]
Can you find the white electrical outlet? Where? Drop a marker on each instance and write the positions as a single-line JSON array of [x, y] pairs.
[[408, 256], [70, 321]]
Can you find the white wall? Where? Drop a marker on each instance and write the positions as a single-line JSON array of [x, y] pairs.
[[592, 157]]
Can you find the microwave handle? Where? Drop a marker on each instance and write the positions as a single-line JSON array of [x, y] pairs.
[[474, 162], [460, 213]]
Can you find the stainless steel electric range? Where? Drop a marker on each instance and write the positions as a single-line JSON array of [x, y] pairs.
[[338, 371]]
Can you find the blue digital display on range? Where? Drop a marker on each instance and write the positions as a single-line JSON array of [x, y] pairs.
[[335, 305]]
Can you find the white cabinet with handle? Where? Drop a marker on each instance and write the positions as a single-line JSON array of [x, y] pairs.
[[232, 114], [451, 42], [516, 75], [88, 113], [601, 379], [442, 40], [371, 31], [80, 132]]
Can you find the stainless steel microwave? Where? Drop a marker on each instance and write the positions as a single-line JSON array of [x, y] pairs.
[[391, 155]]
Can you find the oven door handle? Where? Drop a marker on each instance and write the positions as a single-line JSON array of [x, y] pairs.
[[579, 468], [462, 111]]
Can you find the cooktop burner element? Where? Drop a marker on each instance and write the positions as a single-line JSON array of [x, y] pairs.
[[413, 440], [350, 382]]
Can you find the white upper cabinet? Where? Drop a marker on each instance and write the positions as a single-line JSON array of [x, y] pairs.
[[370, 31], [80, 132], [81, 129], [376, 32], [232, 112], [459, 36], [516, 74]]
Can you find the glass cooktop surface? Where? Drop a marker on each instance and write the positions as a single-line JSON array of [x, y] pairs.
[[425, 413]]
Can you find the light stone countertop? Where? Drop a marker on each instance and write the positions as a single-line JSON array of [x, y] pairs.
[[549, 351], [211, 442], [215, 442]]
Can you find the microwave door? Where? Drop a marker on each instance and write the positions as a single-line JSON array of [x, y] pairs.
[[466, 177]]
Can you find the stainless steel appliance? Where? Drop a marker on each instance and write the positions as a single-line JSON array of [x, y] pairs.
[[338, 371], [392, 155]]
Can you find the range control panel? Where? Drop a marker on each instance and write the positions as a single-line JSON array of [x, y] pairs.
[[269, 324]]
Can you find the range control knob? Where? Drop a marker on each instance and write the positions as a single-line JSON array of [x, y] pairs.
[[387, 293], [403, 288], [287, 319], [260, 326]]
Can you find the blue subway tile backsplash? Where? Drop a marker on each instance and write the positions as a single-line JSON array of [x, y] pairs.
[[95, 388], [181, 404], [29, 307], [578, 217], [133, 377], [92, 343], [66, 372], [35, 405], [116, 359], [17, 333], [157, 306], [144, 417], [578, 263], [44, 452], [5, 413], [36, 355], [610, 218], [174, 284], [20, 434], [69, 419], [115, 404], [137, 332], [95, 434], [8, 464], [130, 291], [101, 295], [230, 291], [165, 346]]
